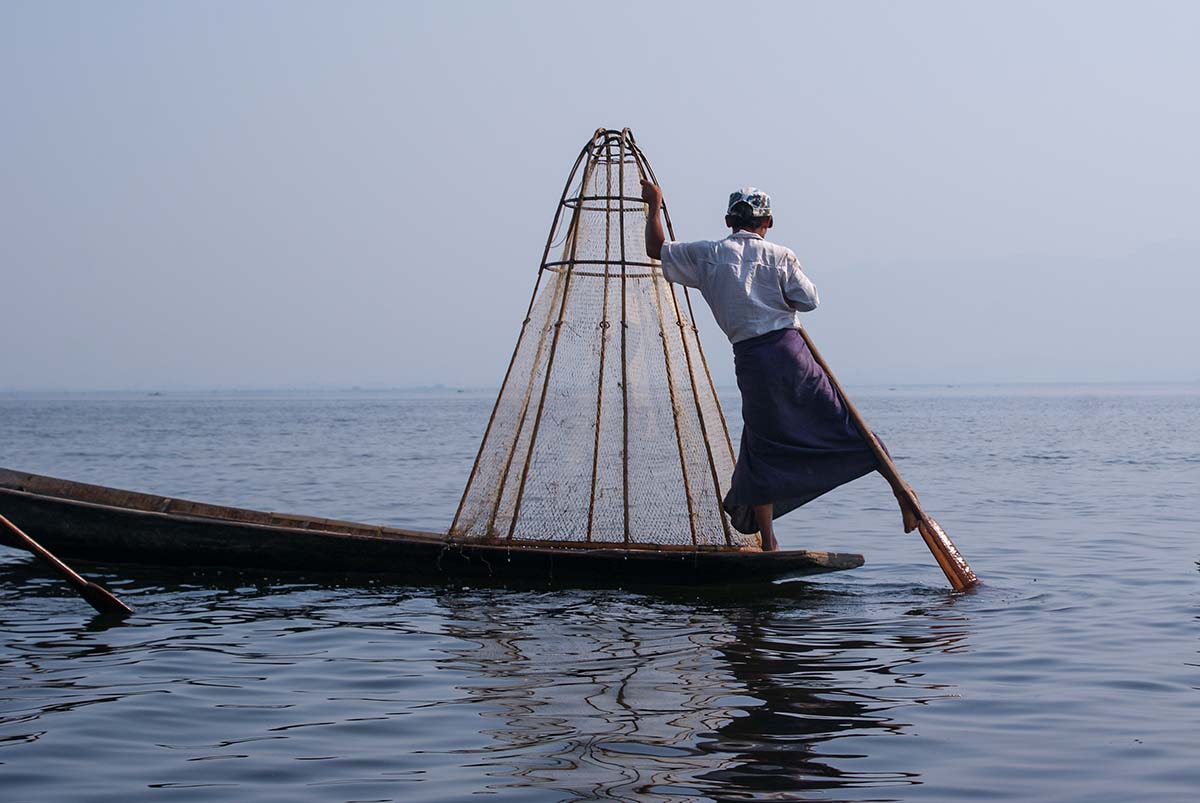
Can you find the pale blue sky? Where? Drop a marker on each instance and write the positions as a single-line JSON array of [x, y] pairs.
[[281, 194]]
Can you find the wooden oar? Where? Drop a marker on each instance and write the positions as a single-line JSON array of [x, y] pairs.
[[97, 596], [947, 555]]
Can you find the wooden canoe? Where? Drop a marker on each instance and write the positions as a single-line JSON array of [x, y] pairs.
[[92, 522]]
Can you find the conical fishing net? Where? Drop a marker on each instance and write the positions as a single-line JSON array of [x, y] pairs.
[[607, 431]]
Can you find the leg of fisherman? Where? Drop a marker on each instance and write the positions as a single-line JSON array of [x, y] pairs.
[[798, 440], [763, 517]]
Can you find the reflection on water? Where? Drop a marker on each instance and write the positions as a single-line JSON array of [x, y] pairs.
[[611, 698], [392, 693]]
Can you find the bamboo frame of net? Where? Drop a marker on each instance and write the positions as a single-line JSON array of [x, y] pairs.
[[568, 458]]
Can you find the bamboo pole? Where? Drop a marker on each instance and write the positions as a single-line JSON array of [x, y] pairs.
[[608, 152], [624, 351], [647, 172], [675, 406], [573, 238], [516, 349]]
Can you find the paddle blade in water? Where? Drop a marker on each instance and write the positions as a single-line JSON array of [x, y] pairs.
[[104, 602], [955, 566]]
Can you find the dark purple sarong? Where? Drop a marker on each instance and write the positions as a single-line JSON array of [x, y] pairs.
[[798, 440]]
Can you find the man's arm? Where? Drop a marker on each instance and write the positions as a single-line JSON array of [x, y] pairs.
[[655, 238], [798, 290]]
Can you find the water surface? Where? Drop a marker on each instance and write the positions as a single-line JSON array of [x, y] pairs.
[[1072, 674]]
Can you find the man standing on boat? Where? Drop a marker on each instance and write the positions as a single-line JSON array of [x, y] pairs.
[[798, 439]]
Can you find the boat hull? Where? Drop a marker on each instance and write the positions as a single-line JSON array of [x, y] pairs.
[[95, 523]]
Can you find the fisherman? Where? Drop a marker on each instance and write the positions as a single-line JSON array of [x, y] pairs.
[[798, 439]]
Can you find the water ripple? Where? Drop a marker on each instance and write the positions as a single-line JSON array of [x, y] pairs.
[[1071, 675]]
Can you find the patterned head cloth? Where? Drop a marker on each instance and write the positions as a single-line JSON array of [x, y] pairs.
[[758, 201]]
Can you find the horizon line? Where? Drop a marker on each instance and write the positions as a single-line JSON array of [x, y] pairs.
[[355, 388]]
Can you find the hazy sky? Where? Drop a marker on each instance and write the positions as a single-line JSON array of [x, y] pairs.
[[277, 194]]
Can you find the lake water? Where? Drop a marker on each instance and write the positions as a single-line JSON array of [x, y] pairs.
[[1072, 674]]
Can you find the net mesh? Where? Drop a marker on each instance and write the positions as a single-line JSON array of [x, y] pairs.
[[607, 430]]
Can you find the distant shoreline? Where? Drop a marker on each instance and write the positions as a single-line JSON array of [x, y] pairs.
[[352, 390]]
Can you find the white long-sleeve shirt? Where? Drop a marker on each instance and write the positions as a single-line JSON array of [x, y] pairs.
[[752, 286]]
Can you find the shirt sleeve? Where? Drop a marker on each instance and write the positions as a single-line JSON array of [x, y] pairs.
[[800, 292], [681, 262]]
